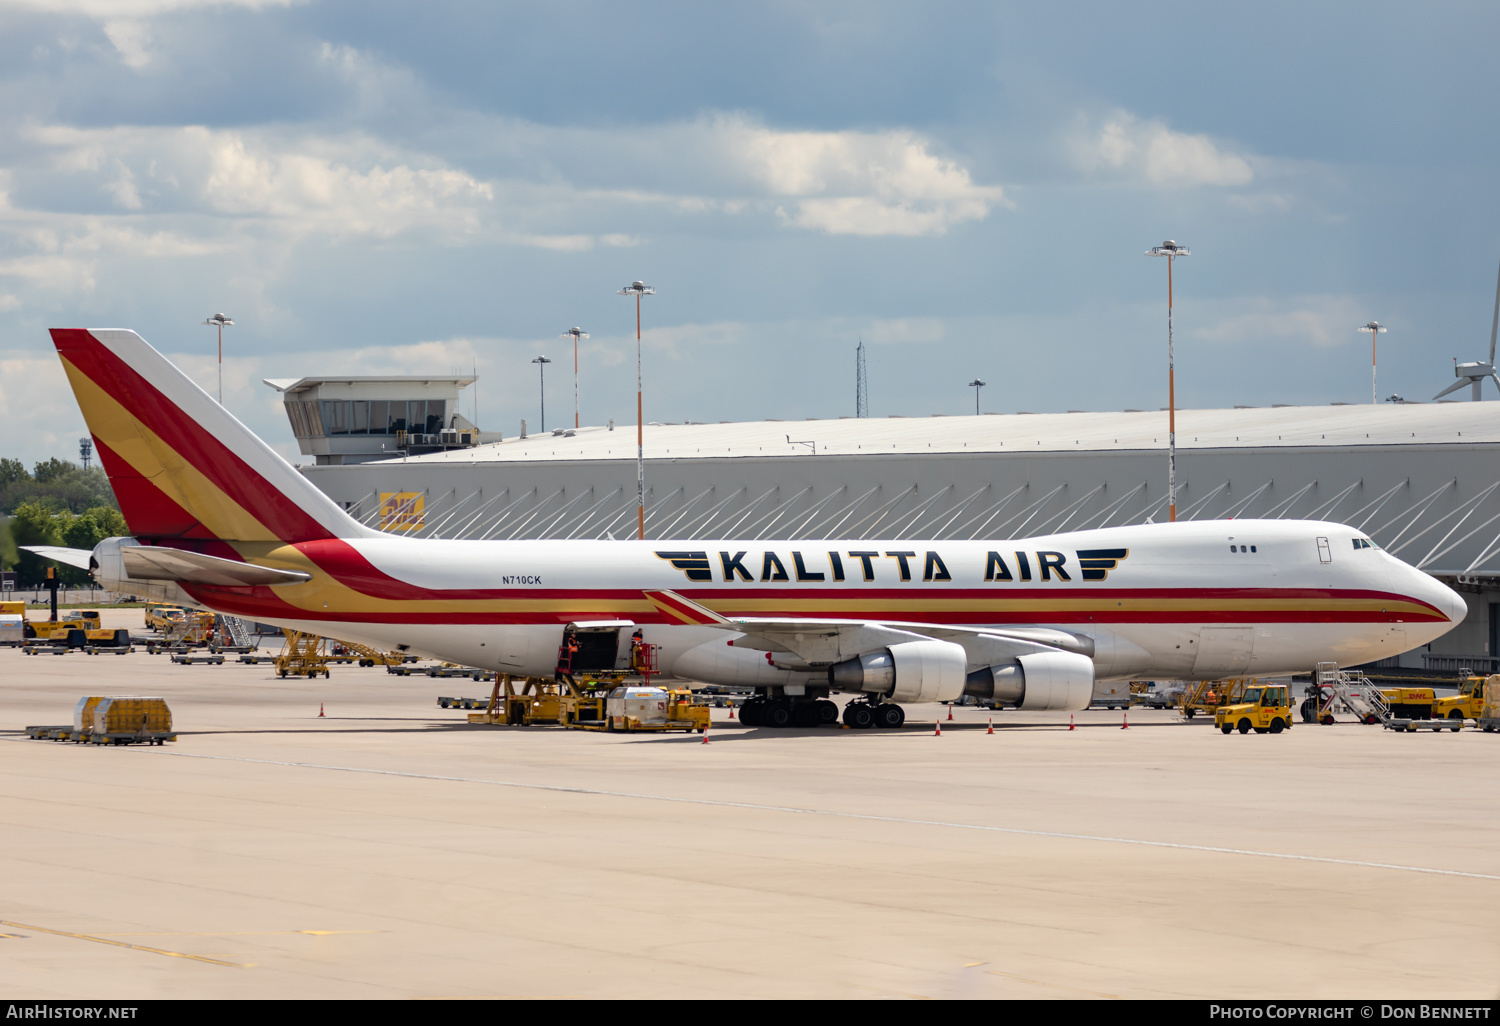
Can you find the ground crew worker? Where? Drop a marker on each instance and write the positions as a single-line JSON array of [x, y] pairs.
[[637, 642], [1211, 698]]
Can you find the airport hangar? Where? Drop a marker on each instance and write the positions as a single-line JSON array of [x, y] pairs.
[[1421, 479]]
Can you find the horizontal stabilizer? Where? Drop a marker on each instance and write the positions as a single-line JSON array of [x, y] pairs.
[[151, 563], [58, 554]]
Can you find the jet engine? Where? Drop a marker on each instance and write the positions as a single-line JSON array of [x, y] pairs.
[[912, 671], [1041, 680]]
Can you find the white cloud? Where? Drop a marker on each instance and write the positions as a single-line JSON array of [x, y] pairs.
[[113, 9], [856, 183], [1151, 151], [1320, 321], [131, 39]]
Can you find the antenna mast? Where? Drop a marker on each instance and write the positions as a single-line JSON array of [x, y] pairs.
[[861, 385]]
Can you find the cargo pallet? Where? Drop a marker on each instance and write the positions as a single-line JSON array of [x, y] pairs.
[[103, 720]]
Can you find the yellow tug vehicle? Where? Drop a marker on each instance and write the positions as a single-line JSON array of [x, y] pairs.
[[1468, 704], [1263, 708]]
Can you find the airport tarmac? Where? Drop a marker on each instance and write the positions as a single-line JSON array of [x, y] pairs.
[[389, 849]]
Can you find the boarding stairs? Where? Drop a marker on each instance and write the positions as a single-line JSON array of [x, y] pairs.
[[1354, 691], [239, 633]]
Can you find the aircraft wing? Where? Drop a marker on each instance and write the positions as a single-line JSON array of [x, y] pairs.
[[824, 642], [151, 563], [58, 554]]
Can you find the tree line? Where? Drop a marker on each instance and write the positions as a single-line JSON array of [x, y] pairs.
[[56, 503]]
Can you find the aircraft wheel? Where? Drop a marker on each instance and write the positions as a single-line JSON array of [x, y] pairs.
[[1227, 728], [1244, 726], [777, 715], [806, 714], [859, 715], [828, 713], [890, 715], [1276, 726]]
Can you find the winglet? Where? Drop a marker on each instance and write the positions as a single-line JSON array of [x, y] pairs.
[[681, 609]]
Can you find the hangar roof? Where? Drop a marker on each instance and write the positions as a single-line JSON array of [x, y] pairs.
[[1447, 423]]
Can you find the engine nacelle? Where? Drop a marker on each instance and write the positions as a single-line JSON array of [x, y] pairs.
[[108, 568], [1039, 681], [912, 671]]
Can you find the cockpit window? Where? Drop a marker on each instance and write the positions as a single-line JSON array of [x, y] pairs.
[[1365, 543]]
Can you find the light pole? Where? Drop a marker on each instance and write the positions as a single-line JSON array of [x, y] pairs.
[[541, 367], [1374, 328], [220, 321], [639, 289], [976, 385], [1170, 250], [575, 334]]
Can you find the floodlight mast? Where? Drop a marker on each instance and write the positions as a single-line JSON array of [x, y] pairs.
[[220, 321], [575, 334], [1374, 328], [639, 289], [1170, 250], [541, 366], [976, 385]]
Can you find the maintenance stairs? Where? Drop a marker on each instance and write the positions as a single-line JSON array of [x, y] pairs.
[[1354, 691], [239, 633]]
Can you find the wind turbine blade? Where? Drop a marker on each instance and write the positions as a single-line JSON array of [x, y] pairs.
[[1460, 383], [1496, 378], [1496, 322]]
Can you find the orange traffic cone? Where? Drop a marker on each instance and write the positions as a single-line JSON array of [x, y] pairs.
[[950, 712], [992, 726], [320, 708], [705, 735], [939, 732], [1070, 722], [1125, 723], [731, 712]]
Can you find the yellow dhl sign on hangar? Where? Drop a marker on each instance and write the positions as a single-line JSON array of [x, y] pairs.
[[402, 511]]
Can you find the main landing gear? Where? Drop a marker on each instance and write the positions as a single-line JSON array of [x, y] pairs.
[[762, 711], [861, 715]]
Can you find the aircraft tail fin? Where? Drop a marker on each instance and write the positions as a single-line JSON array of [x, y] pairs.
[[182, 466]]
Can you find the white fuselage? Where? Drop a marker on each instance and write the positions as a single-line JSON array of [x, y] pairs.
[[1191, 600]]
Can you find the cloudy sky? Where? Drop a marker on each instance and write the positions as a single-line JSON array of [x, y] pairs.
[[370, 187]]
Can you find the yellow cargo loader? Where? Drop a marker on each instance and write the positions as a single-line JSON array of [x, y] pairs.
[[578, 706], [1264, 708]]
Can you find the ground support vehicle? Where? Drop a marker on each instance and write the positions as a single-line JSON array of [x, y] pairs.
[[450, 670], [302, 655], [1263, 708], [12, 623], [585, 705], [1468, 704], [1489, 710], [647, 707], [103, 720], [191, 659], [1206, 696], [350, 651]]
